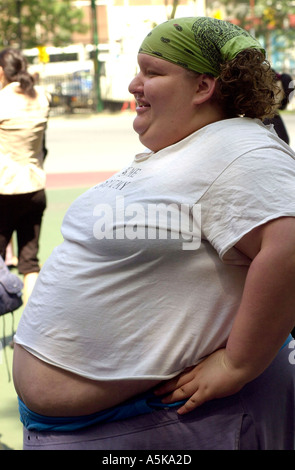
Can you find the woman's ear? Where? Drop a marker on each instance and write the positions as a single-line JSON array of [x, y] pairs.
[[204, 89]]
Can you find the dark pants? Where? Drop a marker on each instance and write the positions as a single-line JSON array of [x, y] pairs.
[[22, 213]]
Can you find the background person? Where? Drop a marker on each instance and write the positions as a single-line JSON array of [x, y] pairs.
[[112, 316], [24, 110], [285, 83]]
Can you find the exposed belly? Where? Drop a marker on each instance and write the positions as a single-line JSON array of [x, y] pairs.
[[52, 391]]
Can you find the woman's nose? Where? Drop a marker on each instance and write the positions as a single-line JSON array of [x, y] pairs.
[[135, 85]]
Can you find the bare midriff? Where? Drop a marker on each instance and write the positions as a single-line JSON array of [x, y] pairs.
[[52, 391]]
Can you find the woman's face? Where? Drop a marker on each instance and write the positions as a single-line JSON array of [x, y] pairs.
[[164, 94]]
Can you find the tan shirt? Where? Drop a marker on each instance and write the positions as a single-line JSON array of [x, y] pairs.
[[23, 121]]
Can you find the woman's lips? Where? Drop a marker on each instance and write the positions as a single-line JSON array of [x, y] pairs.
[[141, 104], [142, 108]]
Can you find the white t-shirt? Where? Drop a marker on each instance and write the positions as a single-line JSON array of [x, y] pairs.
[[120, 298]]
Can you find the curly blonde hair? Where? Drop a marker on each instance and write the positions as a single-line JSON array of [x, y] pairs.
[[247, 86]]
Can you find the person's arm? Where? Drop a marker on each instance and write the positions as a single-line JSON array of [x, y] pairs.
[[265, 317]]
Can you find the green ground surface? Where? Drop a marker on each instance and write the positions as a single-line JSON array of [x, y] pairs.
[[58, 200]]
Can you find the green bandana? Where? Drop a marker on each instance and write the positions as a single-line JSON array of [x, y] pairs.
[[198, 43]]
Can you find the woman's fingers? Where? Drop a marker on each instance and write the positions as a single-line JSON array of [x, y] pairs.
[[175, 384]]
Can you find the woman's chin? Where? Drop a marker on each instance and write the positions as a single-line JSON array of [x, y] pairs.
[[139, 127]]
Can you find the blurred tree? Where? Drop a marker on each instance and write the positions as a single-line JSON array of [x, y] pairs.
[[265, 19], [174, 7], [174, 4], [30, 23]]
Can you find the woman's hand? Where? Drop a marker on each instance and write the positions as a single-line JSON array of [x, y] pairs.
[[211, 378]]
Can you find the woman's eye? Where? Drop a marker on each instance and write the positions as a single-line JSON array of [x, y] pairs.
[[152, 73]]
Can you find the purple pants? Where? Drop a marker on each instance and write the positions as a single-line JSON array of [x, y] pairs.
[[260, 417]]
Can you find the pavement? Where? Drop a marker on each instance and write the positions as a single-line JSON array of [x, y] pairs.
[[68, 176]]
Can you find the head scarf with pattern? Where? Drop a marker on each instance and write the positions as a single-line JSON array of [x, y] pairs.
[[198, 43]]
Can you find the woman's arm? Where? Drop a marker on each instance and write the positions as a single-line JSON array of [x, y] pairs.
[[265, 317]]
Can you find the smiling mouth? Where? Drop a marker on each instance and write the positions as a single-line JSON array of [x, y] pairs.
[[142, 104]]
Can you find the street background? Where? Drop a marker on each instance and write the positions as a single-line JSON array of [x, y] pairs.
[[82, 151], [91, 143]]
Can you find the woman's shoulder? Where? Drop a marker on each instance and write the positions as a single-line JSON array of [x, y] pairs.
[[239, 124], [246, 133]]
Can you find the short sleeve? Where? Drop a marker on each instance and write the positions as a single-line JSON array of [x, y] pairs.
[[255, 188]]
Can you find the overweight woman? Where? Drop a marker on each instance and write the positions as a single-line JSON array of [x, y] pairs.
[[163, 319]]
